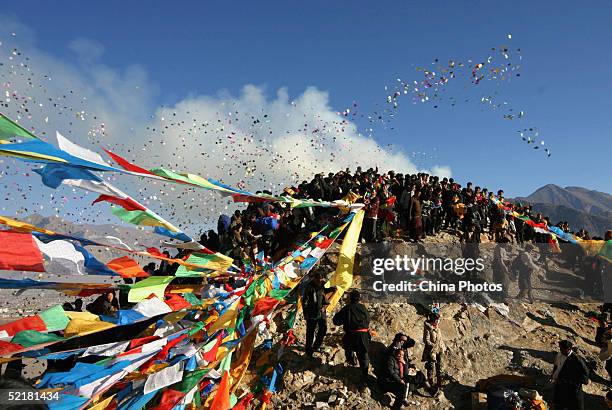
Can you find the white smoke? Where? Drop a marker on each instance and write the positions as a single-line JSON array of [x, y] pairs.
[[250, 140]]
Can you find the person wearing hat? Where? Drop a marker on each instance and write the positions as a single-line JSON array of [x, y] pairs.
[[355, 320], [432, 351], [569, 374]]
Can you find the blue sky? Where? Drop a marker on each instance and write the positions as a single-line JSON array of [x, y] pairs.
[[352, 49]]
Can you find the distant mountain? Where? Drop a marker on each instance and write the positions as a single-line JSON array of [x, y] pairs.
[[582, 199], [580, 207]]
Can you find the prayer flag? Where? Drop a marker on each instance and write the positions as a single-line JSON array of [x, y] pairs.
[[19, 252]]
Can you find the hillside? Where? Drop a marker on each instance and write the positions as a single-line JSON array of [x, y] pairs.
[[518, 339]]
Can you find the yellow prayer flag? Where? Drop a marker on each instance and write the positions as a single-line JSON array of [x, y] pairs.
[[343, 277]]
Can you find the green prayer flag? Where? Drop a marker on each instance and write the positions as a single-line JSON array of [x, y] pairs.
[[166, 173], [191, 298], [140, 218], [55, 318], [28, 338], [226, 362], [196, 328], [10, 129], [279, 294], [206, 261], [190, 379], [153, 284]]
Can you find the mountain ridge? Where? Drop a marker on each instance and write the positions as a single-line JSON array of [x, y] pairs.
[[580, 207]]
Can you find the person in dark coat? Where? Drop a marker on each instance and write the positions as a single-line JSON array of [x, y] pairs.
[[314, 306], [105, 304], [355, 321], [393, 378], [416, 221], [569, 374], [371, 218]]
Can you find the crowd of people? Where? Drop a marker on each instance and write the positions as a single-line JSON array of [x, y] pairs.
[[410, 206]]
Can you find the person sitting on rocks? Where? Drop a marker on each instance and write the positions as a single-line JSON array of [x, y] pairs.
[[105, 304], [394, 377], [76, 307]]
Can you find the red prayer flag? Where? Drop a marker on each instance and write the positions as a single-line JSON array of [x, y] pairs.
[[19, 252], [325, 243], [26, 323], [247, 198], [264, 306], [244, 402], [211, 355], [141, 341], [126, 203], [7, 348], [156, 252], [169, 399], [176, 302], [125, 164], [163, 353]]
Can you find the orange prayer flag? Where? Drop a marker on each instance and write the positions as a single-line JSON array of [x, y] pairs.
[[127, 268], [222, 397]]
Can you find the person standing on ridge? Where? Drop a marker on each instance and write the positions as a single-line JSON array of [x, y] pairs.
[[314, 306], [355, 320], [569, 374], [432, 351]]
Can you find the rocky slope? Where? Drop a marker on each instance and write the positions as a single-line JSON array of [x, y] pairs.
[[480, 342]]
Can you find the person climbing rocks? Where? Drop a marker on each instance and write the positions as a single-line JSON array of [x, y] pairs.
[[355, 321]]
